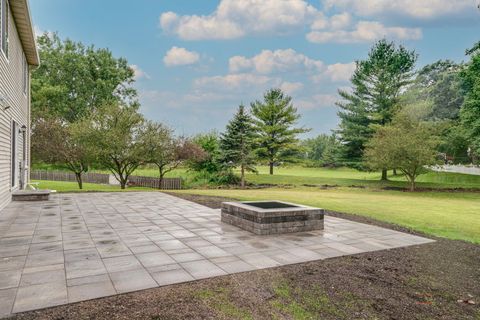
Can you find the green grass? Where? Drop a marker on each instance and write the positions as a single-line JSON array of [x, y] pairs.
[[444, 214], [295, 175], [221, 301], [62, 186]]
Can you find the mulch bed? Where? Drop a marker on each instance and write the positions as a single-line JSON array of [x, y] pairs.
[[433, 281]]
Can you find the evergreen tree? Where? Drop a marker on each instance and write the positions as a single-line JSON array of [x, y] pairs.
[[274, 119], [376, 86], [237, 143]]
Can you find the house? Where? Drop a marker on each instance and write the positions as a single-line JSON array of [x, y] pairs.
[[18, 55]]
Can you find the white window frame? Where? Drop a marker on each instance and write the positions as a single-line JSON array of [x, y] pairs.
[[14, 170], [4, 21]]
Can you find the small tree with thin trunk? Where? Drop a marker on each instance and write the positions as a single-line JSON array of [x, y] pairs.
[[274, 120], [237, 141], [56, 142], [115, 133], [406, 144], [165, 151]]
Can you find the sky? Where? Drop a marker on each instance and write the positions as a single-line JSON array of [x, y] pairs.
[[195, 61]]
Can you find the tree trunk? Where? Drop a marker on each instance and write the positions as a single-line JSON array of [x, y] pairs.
[[384, 175], [412, 184], [78, 177], [242, 176], [160, 178], [271, 167], [123, 183], [394, 172]]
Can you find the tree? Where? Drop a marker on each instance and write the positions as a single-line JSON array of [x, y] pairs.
[[166, 151], [324, 150], [274, 120], [440, 85], [377, 84], [237, 143], [470, 111], [115, 133], [406, 144], [74, 79], [57, 142], [210, 162]]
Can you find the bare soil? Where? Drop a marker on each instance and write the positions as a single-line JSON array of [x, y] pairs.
[[434, 281]]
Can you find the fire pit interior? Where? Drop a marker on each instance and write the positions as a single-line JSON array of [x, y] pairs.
[[272, 217]]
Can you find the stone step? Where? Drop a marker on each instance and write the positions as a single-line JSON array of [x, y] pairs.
[[31, 195]]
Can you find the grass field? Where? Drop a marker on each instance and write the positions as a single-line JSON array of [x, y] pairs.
[[444, 214], [454, 215], [61, 186]]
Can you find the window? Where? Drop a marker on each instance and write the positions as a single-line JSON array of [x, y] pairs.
[[4, 26]]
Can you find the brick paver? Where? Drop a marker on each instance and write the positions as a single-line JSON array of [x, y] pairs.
[[76, 247]]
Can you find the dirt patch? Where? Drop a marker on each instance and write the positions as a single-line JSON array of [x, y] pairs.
[[440, 280]]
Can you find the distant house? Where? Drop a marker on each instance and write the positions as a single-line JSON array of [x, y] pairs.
[[18, 54]]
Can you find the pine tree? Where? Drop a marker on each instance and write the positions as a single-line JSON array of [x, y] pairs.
[[274, 119], [377, 84], [237, 143]]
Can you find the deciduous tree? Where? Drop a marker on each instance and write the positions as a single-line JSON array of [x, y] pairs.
[[57, 142], [471, 107], [74, 79], [406, 144], [115, 133]]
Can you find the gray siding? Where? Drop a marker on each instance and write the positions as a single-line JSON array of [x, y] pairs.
[[11, 85]]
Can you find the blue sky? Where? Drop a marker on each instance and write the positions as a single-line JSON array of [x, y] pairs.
[[197, 60]]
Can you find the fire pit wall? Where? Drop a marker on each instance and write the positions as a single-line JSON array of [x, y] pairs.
[[272, 217]]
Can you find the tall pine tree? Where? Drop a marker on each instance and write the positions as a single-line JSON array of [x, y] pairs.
[[376, 86], [275, 118], [237, 143]]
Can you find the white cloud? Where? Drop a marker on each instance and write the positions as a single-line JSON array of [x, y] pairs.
[[338, 72], [235, 82], [290, 87], [268, 61], [180, 57], [420, 9], [234, 19], [139, 73], [335, 22], [317, 101], [365, 31]]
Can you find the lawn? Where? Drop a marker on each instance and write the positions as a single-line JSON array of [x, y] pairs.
[[62, 186], [444, 214], [454, 215]]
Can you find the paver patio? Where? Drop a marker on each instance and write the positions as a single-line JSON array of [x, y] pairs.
[[82, 246]]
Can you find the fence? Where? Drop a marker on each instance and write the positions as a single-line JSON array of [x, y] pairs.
[[167, 183], [68, 176], [101, 178]]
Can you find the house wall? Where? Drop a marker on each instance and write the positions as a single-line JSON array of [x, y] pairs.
[[11, 86]]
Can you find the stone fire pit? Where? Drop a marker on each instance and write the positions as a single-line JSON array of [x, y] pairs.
[[272, 217]]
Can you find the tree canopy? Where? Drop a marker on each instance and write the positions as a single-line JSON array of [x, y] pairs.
[[275, 118], [406, 144], [74, 79], [471, 107], [373, 100], [237, 143]]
